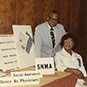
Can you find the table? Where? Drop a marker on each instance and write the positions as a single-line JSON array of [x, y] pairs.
[[59, 79]]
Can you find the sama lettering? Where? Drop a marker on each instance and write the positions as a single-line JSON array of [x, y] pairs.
[[44, 66]]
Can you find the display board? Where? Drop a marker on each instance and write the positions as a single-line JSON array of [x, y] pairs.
[[17, 49], [8, 53], [25, 46]]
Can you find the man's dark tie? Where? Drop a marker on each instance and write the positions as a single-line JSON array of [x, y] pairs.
[[52, 37]]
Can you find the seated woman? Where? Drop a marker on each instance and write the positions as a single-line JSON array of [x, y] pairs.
[[69, 61]]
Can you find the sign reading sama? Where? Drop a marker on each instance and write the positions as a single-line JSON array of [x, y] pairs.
[[44, 65]]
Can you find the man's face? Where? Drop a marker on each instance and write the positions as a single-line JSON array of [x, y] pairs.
[[52, 19]]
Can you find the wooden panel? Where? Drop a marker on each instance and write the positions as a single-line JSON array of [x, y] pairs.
[[7, 15], [25, 11], [73, 15], [33, 12], [76, 21], [83, 28], [64, 7], [76, 17]]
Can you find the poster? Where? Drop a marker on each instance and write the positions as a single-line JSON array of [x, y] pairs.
[[17, 50], [8, 53], [25, 46]]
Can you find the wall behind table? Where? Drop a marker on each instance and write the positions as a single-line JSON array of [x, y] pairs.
[[7, 15], [73, 15]]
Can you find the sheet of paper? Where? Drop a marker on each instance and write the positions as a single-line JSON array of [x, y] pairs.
[[25, 46], [8, 52], [44, 65], [22, 41]]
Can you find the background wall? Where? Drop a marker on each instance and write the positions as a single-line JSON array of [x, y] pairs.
[[73, 15]]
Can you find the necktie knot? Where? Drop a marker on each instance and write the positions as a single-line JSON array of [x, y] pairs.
[[51, 29]]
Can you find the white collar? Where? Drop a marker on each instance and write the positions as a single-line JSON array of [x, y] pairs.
[[65, 52]]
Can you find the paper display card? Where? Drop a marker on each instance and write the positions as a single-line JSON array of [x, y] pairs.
[[29, 74], [44, 65], [21, 78], [10, 81], [17, 50], [8, 53], [25, 46], [24, 42]]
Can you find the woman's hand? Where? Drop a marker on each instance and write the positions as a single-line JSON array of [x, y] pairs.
[[78, 73], [85, 79], [85, 83]]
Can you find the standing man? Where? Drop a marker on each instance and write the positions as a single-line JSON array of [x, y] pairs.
[[48, 36]]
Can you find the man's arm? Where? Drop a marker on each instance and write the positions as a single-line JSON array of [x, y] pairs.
[[37, 45]]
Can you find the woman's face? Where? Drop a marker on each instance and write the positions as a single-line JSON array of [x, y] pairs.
[[68, 44]]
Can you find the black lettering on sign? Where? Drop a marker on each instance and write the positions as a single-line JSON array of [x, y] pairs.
[[22, 47], [44, 66], [38, 67], [15, 81]]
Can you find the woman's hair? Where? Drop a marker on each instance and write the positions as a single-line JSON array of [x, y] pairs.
[[74, 38]]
